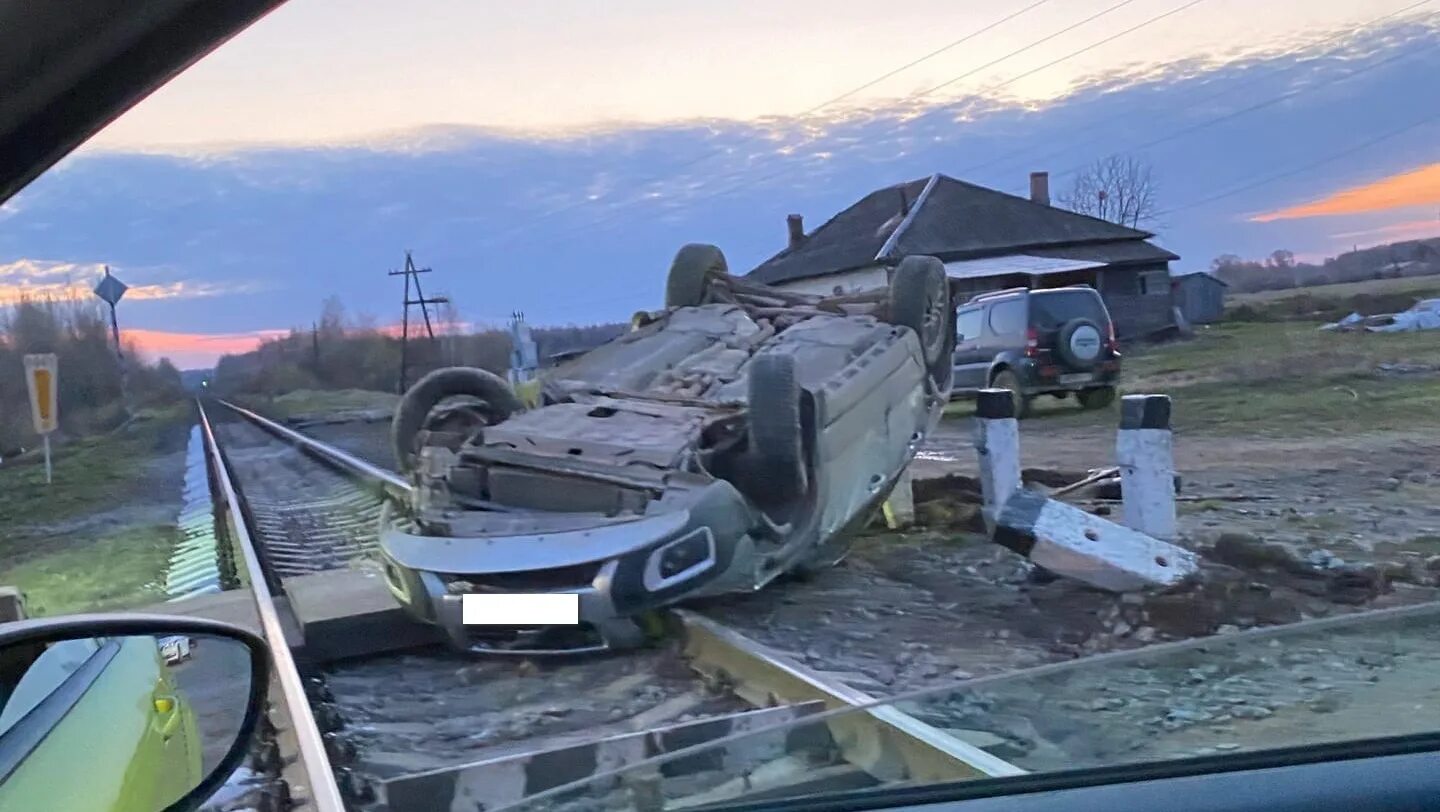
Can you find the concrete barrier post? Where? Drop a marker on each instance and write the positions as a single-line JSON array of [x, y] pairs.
[[1145, 455], [12, 604], [997, 443]]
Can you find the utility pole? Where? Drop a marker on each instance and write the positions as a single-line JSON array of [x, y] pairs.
[[412, 274]]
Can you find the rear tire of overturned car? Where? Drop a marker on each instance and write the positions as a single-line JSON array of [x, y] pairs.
[[498, 399], [690, 273], [776, 457], [920, 300]]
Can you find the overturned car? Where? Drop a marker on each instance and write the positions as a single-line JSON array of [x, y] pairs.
[[734, 437]]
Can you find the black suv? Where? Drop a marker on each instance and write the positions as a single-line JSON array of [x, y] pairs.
[[1037, 342]]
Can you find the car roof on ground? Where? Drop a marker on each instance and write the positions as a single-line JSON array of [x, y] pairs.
[[71, 68]]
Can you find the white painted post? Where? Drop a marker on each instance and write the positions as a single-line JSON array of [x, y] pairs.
[[1067, 541], [1144, 452], [47, 459], [997, 443]]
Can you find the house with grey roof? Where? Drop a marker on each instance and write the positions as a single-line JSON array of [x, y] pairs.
[[988, 240]]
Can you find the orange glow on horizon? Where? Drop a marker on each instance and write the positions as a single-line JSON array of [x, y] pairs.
[[190, 350], [1417, 187]]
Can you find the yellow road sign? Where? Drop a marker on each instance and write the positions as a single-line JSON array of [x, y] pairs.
[[40, 372]]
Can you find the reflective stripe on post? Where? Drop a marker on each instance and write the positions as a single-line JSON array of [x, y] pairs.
[[1145, 455]]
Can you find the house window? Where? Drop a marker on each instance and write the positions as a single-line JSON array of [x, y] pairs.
[[1154, 283]]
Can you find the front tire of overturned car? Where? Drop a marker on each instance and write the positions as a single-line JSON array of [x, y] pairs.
[[498, 399], [776, 453]]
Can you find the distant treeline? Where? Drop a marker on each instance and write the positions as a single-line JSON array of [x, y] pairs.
[[1280, 270], [338, 352], [89, 373]]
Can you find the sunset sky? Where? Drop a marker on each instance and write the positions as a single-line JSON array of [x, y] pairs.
[[528, 150]]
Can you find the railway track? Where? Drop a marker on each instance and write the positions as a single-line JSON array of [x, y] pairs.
[[427, 729]]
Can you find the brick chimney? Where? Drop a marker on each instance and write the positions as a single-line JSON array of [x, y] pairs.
[[1040, 187], [796, 225]]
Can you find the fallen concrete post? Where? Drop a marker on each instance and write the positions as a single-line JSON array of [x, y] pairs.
[[1067, 541], [997, 442], [1144, 451]]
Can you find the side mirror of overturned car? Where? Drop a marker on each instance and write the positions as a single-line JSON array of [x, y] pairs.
[[125, 713]]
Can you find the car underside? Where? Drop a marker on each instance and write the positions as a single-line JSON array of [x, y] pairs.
[[727, 440]]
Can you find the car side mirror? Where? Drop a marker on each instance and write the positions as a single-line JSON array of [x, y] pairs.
[[136, 712]]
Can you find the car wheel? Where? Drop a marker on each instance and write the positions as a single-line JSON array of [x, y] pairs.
[[1097, 398], [1079, 343], [690, 273], [776, 456], [920, 300], [1005, 379], [490, 396]]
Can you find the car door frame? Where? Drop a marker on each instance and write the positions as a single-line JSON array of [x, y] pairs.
[[971, 362]]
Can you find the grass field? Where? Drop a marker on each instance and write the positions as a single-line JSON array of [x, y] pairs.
[[100, 536], [1278, 379], [308, 402], [1332, 302]]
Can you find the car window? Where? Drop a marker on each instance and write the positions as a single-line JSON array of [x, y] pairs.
[[1008, 317], [1051, 309], [43, 675], [967, 323]]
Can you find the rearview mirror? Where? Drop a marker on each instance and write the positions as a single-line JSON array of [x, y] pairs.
[[133, 712]]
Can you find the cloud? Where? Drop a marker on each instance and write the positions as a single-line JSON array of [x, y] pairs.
[[1407, 230], [1413, 188], [196, 350], [45, 279]]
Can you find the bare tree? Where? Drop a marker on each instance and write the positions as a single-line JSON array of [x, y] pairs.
[[1120, 188]]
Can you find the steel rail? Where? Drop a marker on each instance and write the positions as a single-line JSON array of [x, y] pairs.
[[881, 739], [323, 793], [393, 483]]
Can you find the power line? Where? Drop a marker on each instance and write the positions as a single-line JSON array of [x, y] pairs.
[[847, 94], [1331, 158], [784, 170], [814, 109], [1271, 102], [1034, 161], [1097, 15]]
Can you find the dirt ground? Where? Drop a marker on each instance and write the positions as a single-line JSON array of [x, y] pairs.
[[1287, 529]]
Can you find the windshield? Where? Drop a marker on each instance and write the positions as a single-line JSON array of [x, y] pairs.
[[673, 404]]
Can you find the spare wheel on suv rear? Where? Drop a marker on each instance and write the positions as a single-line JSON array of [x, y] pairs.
[[1079, 343]]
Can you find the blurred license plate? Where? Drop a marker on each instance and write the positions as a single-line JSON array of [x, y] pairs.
[[545, 609], [1079, 377]]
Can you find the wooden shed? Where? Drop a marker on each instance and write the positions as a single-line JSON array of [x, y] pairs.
[[1199, 295]]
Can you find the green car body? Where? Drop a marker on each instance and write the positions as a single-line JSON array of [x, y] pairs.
[[117, 736]]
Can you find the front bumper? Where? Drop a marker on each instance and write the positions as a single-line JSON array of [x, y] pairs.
[[615, 570]]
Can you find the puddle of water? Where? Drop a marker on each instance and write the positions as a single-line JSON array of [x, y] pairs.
[[195, 563]]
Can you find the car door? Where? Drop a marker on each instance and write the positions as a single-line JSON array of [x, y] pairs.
[[971, 361]]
